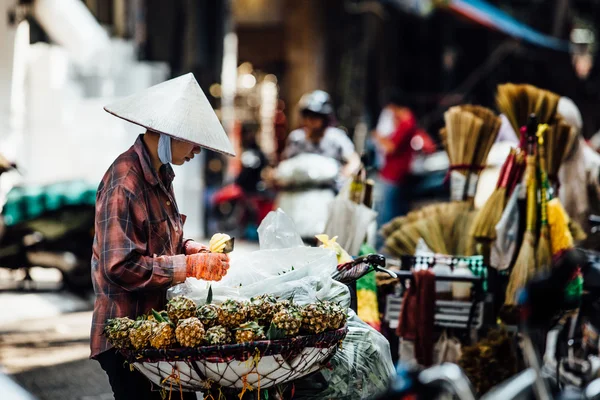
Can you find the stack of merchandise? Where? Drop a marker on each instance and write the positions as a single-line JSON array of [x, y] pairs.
[[525, 240], [468, 136]]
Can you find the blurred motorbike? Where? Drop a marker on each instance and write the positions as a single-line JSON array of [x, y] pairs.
[[241, 206], [49, 226]]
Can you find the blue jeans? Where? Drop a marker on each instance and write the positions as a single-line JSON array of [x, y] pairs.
[[392, 202]]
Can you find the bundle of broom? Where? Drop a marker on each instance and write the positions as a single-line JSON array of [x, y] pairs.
[[517, 102], [487, 137], [525, 265], [468, 136], [560, 138], [405, 238], [463, 129]]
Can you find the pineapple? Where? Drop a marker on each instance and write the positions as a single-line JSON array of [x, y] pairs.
[[262, 308], [288, 319], [163, 335], [282, 305], [163, 332], [117, 332], [232, 313], [249, 332], [208, 315], [181, 307], [217, 335], [315, 318], [140, 333], [189, 332], [337, 315]]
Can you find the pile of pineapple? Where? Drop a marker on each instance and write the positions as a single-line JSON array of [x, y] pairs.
[[186, 325]]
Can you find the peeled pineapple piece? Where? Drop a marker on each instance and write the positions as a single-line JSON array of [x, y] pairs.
[[217, 242]]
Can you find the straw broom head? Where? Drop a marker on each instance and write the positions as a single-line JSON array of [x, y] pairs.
[[517, 102], [431, 232], [489, 132], [462, 133], [559, 138]]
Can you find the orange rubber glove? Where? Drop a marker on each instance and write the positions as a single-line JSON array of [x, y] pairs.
[[193, 247], [207, 266]]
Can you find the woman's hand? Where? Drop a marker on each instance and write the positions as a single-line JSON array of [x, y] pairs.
[[207, 266]]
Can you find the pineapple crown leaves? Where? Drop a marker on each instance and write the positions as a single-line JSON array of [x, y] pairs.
[[275, 333], [161, 317], [249, 326], [209, 298]]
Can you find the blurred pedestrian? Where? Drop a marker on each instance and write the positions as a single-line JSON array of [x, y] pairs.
[[139, 250], [395, 147], [253, 161], [317, 136], [281, 129]]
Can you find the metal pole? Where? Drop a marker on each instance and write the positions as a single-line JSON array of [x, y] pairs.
[[562, 7]]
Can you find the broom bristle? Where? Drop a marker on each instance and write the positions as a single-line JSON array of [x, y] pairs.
[[523, 270], [484, 225], [431, 232], [543, 254], [517, 102]]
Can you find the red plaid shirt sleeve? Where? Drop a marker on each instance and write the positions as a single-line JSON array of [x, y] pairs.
[[123, 241]]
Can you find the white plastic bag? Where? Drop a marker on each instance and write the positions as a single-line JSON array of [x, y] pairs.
[[306, 169]]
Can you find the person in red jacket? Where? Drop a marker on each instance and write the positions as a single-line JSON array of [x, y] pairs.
[[397, 158]]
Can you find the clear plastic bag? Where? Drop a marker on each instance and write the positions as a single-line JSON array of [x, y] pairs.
[[361, 369], [283, 269], [309, 209], [307, 168]]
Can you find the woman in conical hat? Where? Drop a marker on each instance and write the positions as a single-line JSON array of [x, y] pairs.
[[139, 250]]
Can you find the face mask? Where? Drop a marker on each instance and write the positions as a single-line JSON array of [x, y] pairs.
[[164, 149]]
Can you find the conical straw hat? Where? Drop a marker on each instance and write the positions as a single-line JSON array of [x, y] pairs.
[[177, 108]]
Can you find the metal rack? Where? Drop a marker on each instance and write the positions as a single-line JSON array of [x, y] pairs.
[[457, 314]]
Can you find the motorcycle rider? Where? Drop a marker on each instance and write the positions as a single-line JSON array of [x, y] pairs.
[[317, 136], [139, 250]]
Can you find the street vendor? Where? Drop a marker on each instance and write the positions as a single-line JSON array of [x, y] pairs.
[[139, 250]]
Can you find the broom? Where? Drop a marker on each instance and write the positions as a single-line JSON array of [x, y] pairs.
[[487, 137], [525, 266], [462, 134], [484, 226], [543, 253], [431, 232], [517, 102], [559, 137]]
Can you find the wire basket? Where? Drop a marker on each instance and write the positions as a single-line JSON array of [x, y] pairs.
[[255, 365]]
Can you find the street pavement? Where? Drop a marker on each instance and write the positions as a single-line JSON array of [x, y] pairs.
[[44, 340]]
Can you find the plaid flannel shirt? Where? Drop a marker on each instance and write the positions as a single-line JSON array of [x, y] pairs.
[[138, 243]]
